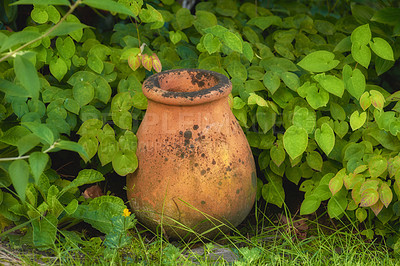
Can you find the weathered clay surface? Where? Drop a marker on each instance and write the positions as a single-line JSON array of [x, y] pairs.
[[196, 168]]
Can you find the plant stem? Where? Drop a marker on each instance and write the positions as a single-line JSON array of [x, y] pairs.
[[47, 33], [26, 156]]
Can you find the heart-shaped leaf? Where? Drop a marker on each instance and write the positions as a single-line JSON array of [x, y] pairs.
[[357, 120], [325, 138], [295, 141]]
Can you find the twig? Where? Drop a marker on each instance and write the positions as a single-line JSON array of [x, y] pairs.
[[47, 33]]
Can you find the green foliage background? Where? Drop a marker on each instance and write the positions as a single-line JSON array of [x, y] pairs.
[[314, 88]]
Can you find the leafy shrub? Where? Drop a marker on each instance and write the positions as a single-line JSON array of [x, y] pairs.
[[307, 90]]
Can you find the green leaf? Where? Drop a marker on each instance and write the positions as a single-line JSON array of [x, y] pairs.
[[248, 51], [58, 68], [361, 54], [319, 61], [128, 142], [39, 14], [273, 192], [377, 165], [17, 38], [40, 130], [12, 89], [315, 98], [265, 118], [42, 2], [26, 143], [357, 120], [314, 160], [19, 174], [71, 207], [293, 174], [175, 37], [256, 99], [72, 105], [265, 21], [109, 5], [337, 205], [361, 35], [385, 194], [271, 81], [237, 70], [291, 80], [325, 138], [309, 205], [387, 15], [65, 47], [71, 146], [107, 149], [337, 111], [38, 162], [83, 93], [211, 43], [277, 155], [27, 75], [382, 48], [305, 118], [100, 211], [355, 84], [233, 41], [85, 176], [295, 141], [89, 143], [341, 128], [361, 214], [95, 63], [125, 162], [45, 231], [184, 18], [331, 84], [72, 28]]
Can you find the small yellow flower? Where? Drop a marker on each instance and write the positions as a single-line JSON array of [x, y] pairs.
[[126, 213]]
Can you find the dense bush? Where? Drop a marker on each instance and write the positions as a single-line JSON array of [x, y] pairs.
[[314, 88]]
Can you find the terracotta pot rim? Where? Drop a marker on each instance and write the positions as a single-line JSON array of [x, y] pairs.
[[153, 90]]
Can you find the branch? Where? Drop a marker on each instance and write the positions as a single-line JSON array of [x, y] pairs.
[[47, 33]]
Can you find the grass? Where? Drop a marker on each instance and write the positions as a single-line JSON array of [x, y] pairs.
[[284, 240]]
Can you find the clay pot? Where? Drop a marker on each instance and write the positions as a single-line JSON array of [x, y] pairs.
[[196, 169]]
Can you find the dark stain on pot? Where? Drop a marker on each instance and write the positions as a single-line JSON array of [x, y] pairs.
[[203, 202], [195, 127], [203, 172], [188, 134], [214, 162], [208, 169], [228, 169], [203, 155], [237, 191], [181, 132], [196, 164]]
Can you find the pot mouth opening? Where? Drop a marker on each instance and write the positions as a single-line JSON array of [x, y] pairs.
[[186, 86]]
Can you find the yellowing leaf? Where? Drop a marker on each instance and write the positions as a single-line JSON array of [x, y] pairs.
[[147, 62], [134, 61], [156, 63]]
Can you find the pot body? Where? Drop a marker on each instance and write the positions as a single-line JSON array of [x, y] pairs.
[[196, 169]]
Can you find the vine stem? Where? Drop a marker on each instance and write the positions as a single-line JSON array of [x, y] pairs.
[[27, 156], [47, 33]]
